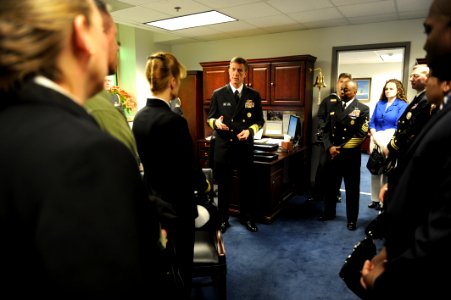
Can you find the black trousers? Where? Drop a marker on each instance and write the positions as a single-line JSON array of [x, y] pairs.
[[319, 171], [347, 166], [238, 168], [181, 244]]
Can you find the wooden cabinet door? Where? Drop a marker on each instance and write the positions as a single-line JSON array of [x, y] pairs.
[[214, 78], [190, 94], [259, 78], [288, 83]]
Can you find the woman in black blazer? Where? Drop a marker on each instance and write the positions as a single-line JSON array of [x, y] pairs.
[[75, 219], [170, 170]]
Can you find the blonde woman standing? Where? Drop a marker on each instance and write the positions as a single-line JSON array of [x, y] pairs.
[[76, 222]]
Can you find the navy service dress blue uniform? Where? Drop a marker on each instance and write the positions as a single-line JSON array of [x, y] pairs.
[[410, 123], [319, 155], [348, 129], [231, 154]]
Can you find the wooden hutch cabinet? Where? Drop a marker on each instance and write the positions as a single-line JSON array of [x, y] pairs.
[[284, 84], [281, 81]]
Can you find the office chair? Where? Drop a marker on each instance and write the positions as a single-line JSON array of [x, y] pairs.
[[209, 250]]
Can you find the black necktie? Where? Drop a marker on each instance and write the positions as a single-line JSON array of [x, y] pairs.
[[237, 96], [343, 105]]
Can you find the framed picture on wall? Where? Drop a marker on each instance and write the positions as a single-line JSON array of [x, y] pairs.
[[363, 89]]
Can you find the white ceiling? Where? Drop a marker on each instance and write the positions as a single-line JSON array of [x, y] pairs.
[[256, 17]]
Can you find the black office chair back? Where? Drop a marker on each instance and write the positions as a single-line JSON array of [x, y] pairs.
[[209, 250]]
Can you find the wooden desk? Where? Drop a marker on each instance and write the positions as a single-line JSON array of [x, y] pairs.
[[274, 182]]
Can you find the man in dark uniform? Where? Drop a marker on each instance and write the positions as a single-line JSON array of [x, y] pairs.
[[418, 240], [344, 132], [326, 105], [235, 115], [417, 113], [414, 117]]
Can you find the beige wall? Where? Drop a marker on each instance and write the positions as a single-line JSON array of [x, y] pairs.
[[379, 74], [318, 42]]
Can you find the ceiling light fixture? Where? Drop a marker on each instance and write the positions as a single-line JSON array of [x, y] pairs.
[[390, 57], [194, 20]]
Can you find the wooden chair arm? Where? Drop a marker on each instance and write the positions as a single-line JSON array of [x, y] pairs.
[[220, 243]]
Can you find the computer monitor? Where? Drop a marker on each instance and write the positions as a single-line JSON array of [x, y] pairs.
[[294, 128]]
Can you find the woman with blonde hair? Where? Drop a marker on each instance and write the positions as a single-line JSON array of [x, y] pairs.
[[383, 123], [171, 172], [75, 218]]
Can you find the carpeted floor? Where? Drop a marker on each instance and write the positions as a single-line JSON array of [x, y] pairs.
[[297, 257]]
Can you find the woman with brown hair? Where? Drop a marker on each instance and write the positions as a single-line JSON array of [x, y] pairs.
[[383, 123]]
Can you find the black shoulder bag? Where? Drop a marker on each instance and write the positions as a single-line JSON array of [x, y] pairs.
[[376, 161]]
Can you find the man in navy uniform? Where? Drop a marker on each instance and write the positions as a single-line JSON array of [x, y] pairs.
[[326, 105], [414, 261], [235, 115], [345, 130], [416, 115]]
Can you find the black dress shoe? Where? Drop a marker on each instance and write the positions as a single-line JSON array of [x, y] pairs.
[[373, 204], [224, 226], [325, 218], [351, 226], [250, 225]]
